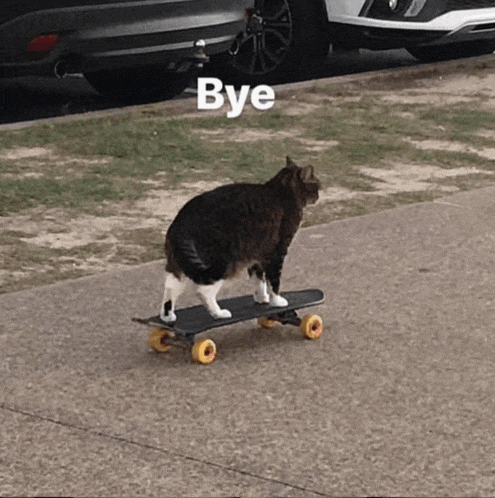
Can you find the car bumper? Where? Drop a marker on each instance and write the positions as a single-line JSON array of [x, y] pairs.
[[121, 34], [457, 26]]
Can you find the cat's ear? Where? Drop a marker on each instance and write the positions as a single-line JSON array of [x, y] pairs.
[[289, 162], [307, 173]]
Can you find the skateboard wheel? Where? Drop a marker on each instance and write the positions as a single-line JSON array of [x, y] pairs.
[[267, 323], [311, 326], [204, 351], [157, 340]]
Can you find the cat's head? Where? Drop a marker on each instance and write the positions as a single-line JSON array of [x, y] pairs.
[[301, 181]]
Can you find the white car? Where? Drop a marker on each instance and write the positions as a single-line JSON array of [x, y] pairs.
[[280, 36]]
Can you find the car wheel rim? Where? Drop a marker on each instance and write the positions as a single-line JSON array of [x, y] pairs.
[[264, 43]]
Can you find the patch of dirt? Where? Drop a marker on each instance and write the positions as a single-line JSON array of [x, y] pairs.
[[164, 204], [406, 115], [401, 178], [485, 152], [298, 108], [466, 85], [449, 90], [83, 230], [25, 153], [41, 155], [323, 98], [334, 194], [490, 134], [56, 230], [221, 135], [426, 98], [60, 161], [317, 145], [28, 174], [414, 178]]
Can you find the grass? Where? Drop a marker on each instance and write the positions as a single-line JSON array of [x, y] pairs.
[[368, 133], [458, 119], [21, 194], [104, 167]]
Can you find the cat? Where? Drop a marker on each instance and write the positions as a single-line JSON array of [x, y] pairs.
[[242, 225]]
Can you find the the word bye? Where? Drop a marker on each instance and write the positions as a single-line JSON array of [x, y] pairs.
[[262, 96]]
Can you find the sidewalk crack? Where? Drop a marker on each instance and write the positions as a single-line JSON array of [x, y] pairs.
[[122, 439]]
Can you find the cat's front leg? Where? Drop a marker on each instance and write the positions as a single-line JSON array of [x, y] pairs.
[[209, 296], [218, 313], [273, 273], [278, 301]]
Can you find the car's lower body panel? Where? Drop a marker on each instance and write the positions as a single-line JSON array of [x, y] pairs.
[[95, 37], [451, 27]]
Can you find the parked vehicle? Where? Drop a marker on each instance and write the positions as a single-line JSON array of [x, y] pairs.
[[122, 46], [281, 36], [143, 47]]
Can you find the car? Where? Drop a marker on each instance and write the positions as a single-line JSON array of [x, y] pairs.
[[123, 47], [281, 37]]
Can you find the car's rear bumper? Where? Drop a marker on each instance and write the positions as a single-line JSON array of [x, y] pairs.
[[109, 35]]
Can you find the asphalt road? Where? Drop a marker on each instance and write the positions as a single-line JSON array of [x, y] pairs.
[[25, 99]]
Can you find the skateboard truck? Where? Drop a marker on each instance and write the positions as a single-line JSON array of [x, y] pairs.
[[286, 318]]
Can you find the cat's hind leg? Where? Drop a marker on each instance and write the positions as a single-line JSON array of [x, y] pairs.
[[257, 275], [209, 295], [173, 289]]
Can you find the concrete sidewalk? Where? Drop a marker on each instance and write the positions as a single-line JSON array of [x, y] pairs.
[[396, 398]]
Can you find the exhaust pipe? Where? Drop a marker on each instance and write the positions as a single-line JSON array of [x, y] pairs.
[[60, 69]]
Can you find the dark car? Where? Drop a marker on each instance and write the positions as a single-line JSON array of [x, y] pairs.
[[121, 46]]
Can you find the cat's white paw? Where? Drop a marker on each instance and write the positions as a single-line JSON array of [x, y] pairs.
[[261, 297], [279, 301], [169, 318], [222, 314]]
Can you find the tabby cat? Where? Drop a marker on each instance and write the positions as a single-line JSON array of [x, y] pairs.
[[242, 225]]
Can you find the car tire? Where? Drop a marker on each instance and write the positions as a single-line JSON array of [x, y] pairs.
[[280, 40], [452, 51], [138, 84]]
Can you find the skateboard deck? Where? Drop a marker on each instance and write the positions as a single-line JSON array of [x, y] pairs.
[[196, 319]]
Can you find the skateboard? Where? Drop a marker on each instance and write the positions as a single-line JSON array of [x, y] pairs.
[[196, 319]]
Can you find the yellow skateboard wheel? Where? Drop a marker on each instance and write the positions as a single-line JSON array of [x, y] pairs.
[[204, 351], [311, 326], [157, 340], [266, 323]]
